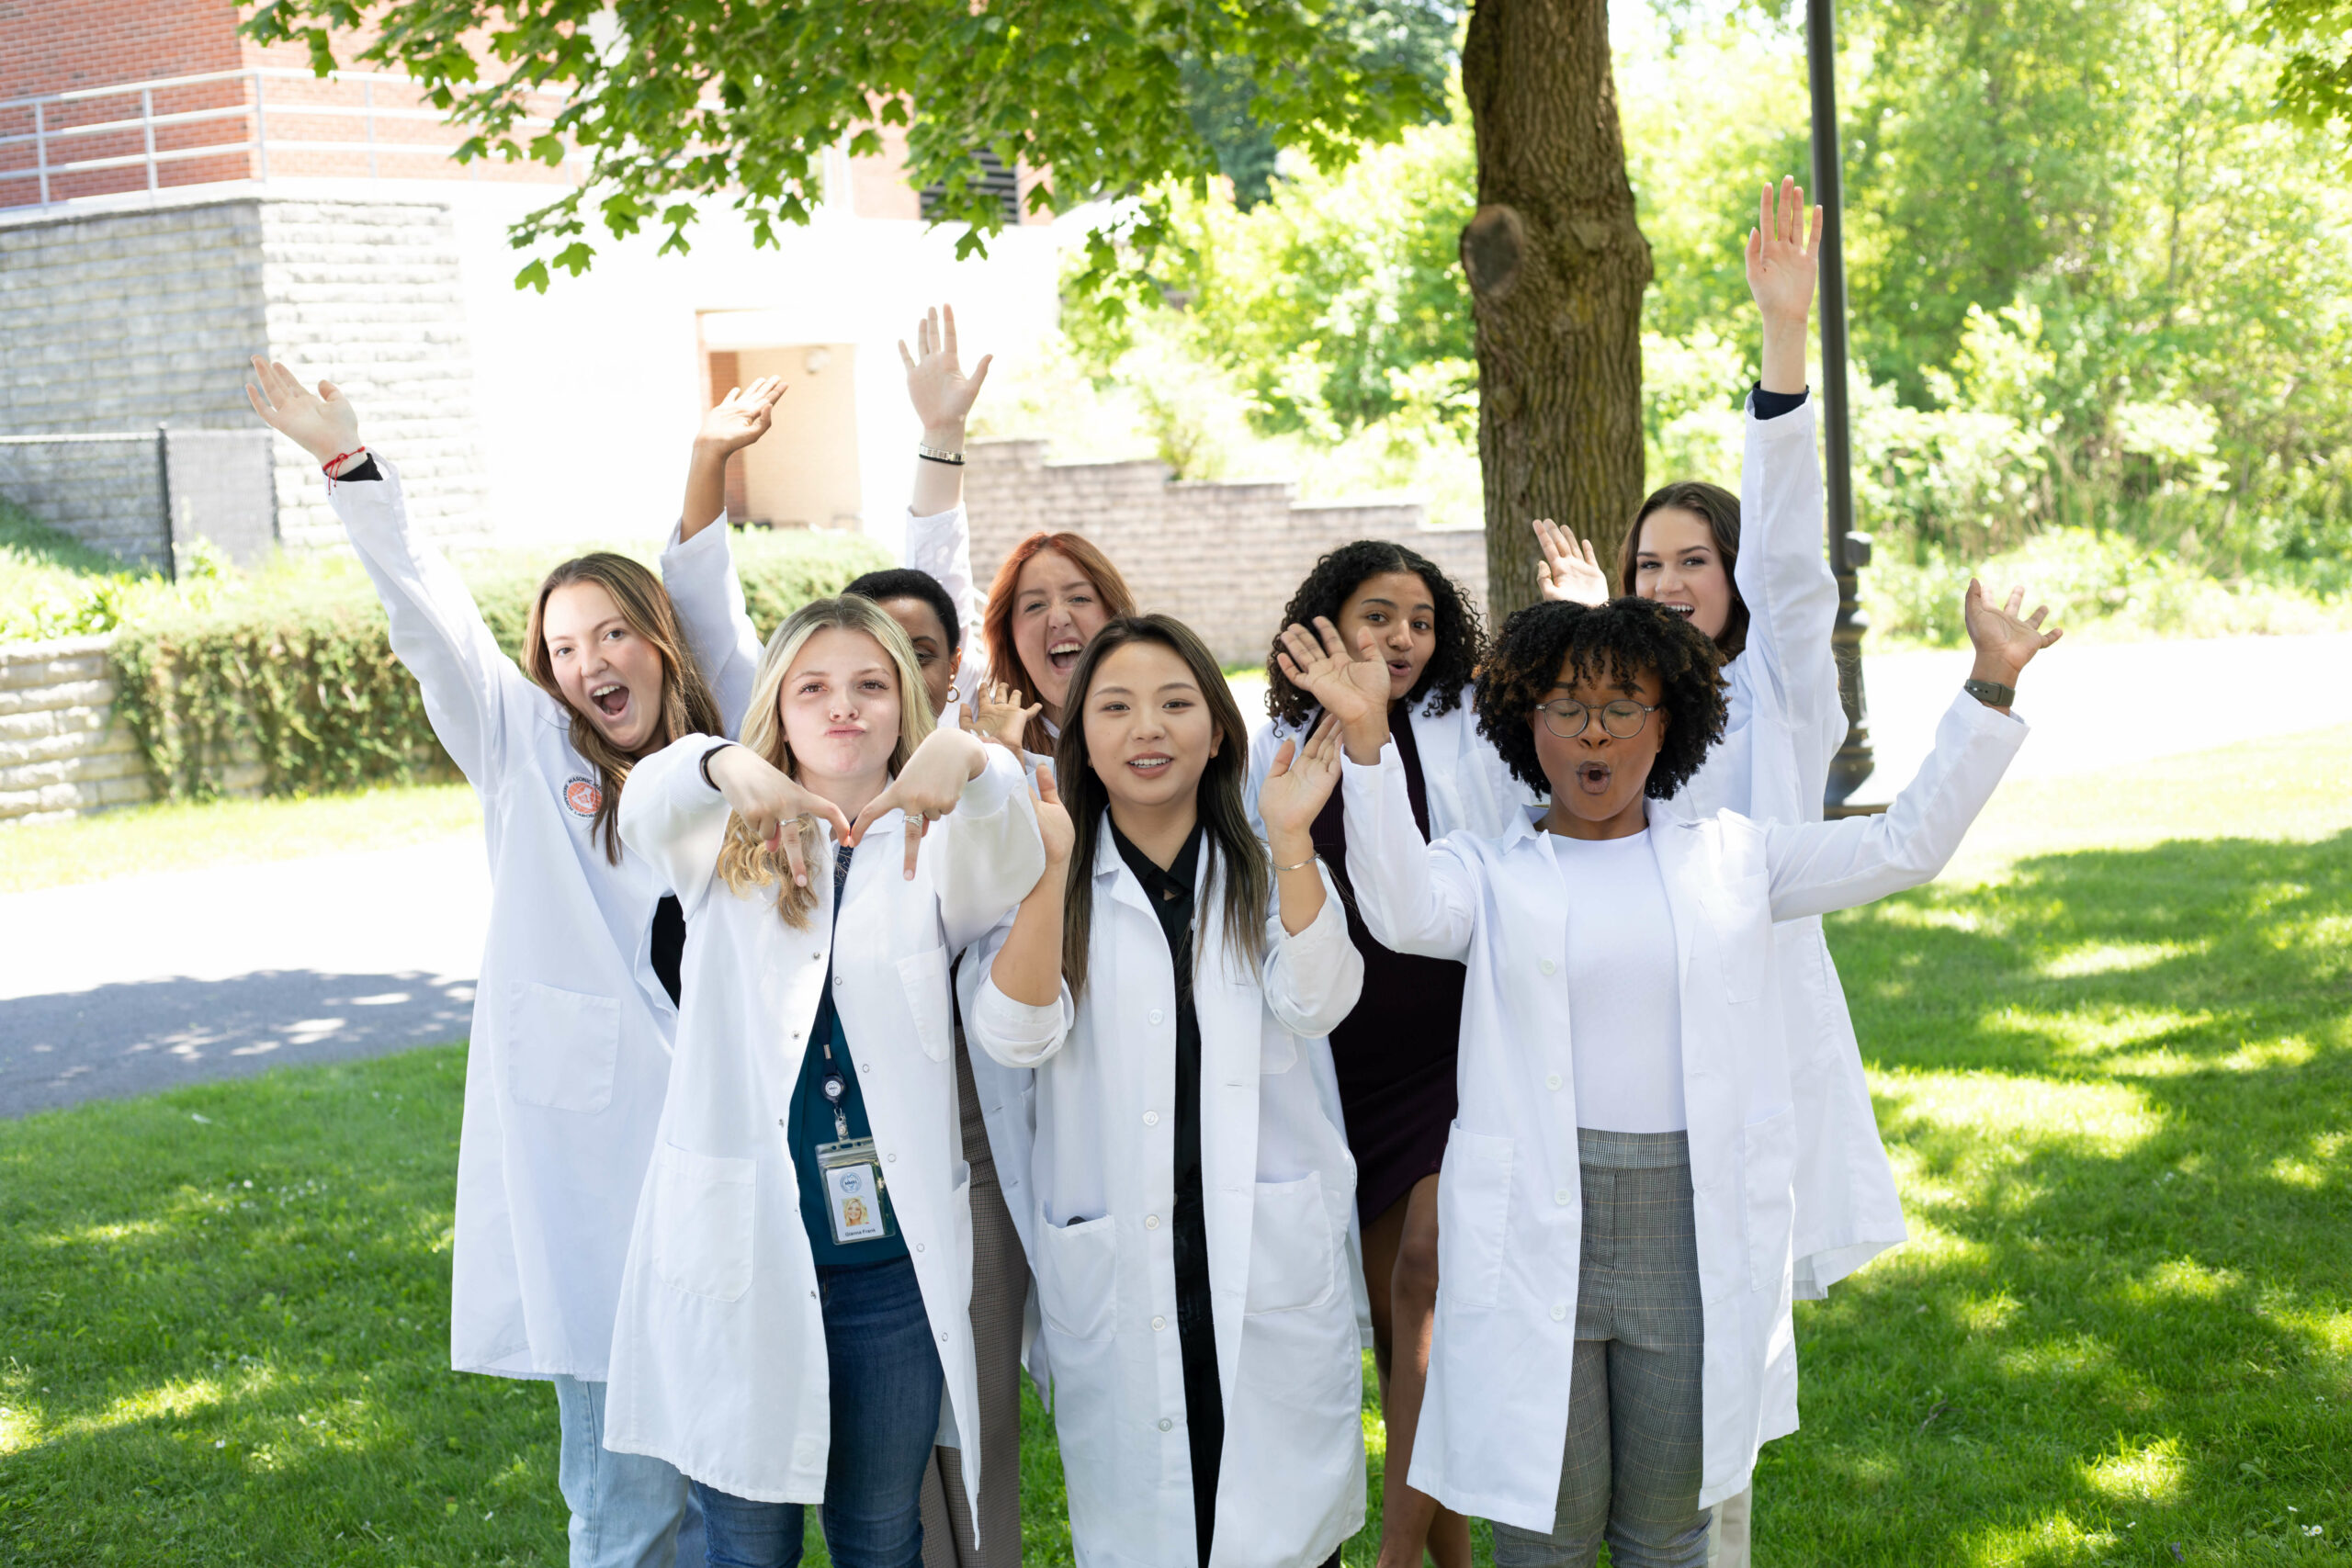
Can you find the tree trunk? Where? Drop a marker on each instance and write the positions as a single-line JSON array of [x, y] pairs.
[[1557, 266]]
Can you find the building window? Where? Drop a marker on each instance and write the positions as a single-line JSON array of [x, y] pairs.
[[996, 178]]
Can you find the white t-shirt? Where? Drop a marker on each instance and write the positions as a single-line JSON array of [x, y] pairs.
[[1624, 1010]]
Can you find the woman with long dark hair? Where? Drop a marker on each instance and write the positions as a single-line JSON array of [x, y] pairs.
[[1192, 1183], [1418, 638]]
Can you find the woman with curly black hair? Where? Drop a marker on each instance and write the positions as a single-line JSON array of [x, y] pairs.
[[1421, 640], [1616, 1217]]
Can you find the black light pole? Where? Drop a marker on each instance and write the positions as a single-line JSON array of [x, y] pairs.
[[1849, 551]]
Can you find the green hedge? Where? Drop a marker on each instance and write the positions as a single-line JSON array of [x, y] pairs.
[[293, 669]]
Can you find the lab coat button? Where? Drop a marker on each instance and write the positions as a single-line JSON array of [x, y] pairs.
[[893, 1159], [1158, 1324], [1548, 966], [918, 1246], [1562, 1196], [1559, 1311], [1165, 1423], [1151, 1222], [1151, 1118], [1155, 1015], [1551, 1080]]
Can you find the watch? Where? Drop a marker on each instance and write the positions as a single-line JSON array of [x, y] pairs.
[[1991, 693]]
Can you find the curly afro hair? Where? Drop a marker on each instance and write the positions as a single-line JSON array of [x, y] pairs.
[[1620, 638], [1461, 636]]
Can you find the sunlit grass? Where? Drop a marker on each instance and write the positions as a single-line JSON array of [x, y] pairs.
[[140, 840], [2110, 1058]]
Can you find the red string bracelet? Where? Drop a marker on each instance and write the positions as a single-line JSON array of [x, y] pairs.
[[329, 467]]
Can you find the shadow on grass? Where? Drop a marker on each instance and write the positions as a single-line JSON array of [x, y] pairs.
[[226, 1336], [2114, 1087]]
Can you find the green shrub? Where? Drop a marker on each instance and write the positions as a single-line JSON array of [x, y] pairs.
[[293, 670], [53, 585]]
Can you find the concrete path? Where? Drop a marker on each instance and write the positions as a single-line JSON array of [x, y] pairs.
[[144, 983], [127, 987]]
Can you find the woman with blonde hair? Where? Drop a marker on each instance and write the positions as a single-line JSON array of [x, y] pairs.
[[577, 1001], [795, 1300]]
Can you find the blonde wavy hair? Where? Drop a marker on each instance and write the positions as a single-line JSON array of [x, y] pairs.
[[744, 860]]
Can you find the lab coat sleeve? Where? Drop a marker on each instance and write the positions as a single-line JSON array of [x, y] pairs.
[[700, 576], [1815, 867], [989, 852], [472, 688], [1784, 578], [1313, 978], [674, 820], [1015, 1033], [940, 547], [1414, 895]]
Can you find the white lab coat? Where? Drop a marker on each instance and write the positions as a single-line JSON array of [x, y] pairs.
[[570, 1057], [1469, 788], [1279, 1186], [940, 546], [1772, 765], [718, 1356], [1494, 1422]]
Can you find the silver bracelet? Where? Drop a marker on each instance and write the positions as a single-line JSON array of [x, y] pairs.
[[1301, 865], [954, 459]]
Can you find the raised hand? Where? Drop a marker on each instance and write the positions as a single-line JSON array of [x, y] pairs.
[[1571, 572], [998, 715], [323, 423], [1351, 687], [741, 417], [1297, 787], [942, 394], [926, 789], [1053, 820], [2005, 639], [772, 805], [1783, 259]]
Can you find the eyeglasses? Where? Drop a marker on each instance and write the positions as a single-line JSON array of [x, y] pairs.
[[1623, 718]]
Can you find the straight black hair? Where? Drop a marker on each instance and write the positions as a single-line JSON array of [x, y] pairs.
[[1232, 843]]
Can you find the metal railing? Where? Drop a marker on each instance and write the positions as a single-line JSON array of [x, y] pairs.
[[47, 138]]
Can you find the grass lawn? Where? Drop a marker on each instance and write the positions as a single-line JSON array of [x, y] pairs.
[[187, 837], [2111, 1056]]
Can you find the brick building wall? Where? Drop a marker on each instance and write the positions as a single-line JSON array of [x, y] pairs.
[[1221, 558]]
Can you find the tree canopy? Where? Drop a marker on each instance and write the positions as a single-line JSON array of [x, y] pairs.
[[676, 102]]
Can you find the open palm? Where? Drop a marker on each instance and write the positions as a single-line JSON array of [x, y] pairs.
[[323, 423], [1351, 688], [742, 416], [1784, 253], [942, 394], [2001, 633]]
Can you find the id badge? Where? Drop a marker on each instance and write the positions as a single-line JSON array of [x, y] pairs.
[[853, 1197]]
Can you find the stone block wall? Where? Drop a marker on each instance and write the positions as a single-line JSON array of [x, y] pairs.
[[61, 750], [368, 295], [105, 490], [1223, 557], [127, 321]]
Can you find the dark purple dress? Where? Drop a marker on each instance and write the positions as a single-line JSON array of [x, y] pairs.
[[1396, 1052]]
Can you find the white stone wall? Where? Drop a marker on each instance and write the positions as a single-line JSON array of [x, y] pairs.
[[61, 750], [1223, 557], [368, 295], [105, 490]]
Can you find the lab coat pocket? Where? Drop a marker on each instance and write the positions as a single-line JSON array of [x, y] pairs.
[[1474, 1216], [1077, 1278], [1768, 1158], [1293, 1257], [924, 976], [703, 1213], [561, 1047]]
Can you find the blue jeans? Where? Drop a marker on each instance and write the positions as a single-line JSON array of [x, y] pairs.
[[886, 1389], [627, 1510]]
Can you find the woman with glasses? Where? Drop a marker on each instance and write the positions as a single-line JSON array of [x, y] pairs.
[[1613, 1340]]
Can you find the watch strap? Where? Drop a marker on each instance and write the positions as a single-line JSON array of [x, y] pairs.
[[1992, 693]]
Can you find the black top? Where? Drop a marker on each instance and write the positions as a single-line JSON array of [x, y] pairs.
[[1772, 405], [1397, 1052], [669, 943], [1171, 892]]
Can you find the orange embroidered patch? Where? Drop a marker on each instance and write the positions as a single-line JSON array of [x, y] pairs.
[[583, 797]]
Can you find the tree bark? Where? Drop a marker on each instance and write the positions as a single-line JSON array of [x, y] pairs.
[[1557, 266]]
